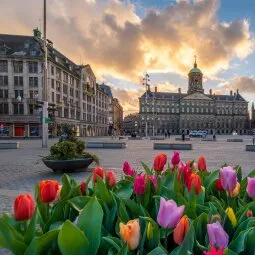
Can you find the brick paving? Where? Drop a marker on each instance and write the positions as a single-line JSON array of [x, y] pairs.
[[20, 169]]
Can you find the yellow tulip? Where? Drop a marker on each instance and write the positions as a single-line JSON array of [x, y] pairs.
[[130, 233], [235, 191], [149, 231], [231, 216]]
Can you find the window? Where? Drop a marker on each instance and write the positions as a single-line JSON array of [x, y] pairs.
[[3, 93], [65, 89], [72, 80], [18, 108], [18, 80], [77, 84], [58, 73], [52, 97], [18, 66], [3, 80], [3, 66], [32, 67], [65, 77], [33, 53], [77, 93], [19, 93], [187, 109], [33, 81], [182, 109], [31, 108], [65, 100], [52, 70], [58, 86], [66, 113], [58, 98], [52, 84], [4, 109], [71, 92]]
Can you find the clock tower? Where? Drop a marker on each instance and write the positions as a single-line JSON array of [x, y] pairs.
[[195, 80]]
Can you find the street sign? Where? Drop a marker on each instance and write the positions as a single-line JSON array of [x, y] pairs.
[[47, 120]]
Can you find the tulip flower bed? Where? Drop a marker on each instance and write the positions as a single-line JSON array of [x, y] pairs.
[[171, 208]]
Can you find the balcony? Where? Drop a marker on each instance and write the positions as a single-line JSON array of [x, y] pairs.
[[4, 100], [32, 100]]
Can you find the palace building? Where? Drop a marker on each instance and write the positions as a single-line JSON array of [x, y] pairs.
[[195, 110]]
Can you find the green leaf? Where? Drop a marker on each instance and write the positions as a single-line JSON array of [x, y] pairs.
[[90, 221], [123, 214], [78, 203], [147, 169], [11, 239], [123, 250], [200, 224], [115, 242], [238, 245], [43, 208], [209, 180], [157, 251], [188, 242], [124, 189], [71, 240], [155, 229], [102, 192], [41, 245], [66, 186], [30, 233]]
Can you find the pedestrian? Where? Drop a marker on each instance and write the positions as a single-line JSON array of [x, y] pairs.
[[165, 134], [169, 134], [183, 136]]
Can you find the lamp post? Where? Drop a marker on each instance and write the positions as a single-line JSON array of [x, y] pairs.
[[146, 80], [45, 84]]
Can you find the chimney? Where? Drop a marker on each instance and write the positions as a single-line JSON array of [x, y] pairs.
[[179, 90], [210, 92], [237, 91], [156, 89], [231, 93]]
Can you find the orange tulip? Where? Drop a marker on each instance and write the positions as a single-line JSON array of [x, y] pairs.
[[181, 230], [159, 162], [201, 164], [110, 178], [194, 181], [235, 191], [130, 233], [48, 190], [24, 207], [99, 171]]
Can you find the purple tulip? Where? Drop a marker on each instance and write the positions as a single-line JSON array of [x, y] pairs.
[[251, 187], [228, 178], [217, 235], [169, 213]]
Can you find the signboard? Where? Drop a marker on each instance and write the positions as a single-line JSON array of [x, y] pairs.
[[47, 120]]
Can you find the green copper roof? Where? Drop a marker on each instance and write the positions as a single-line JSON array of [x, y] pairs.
[[195, 70]]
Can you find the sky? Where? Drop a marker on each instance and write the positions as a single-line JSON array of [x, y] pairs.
[[122, 39]]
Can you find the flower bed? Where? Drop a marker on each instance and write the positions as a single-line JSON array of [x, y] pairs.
[[176, 209]]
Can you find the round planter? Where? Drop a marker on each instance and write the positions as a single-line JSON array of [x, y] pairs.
[[68, 165]]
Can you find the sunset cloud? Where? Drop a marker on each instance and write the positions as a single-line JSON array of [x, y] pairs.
[[244, 84]]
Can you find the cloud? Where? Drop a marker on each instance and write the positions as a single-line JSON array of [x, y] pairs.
[[244, 84], [111, 37]]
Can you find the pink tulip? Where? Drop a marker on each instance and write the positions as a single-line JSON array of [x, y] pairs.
[[169, 213], [228, 178], [127, 169], [176, 158], [139, 184], [251, 187], [153, 179]]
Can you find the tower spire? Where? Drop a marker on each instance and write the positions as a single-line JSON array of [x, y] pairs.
[[195, 63]]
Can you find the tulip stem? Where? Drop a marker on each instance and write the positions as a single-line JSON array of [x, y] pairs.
[[165, 241]]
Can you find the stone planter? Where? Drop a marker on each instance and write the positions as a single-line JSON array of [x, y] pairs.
[[68, 165], [250, 148]]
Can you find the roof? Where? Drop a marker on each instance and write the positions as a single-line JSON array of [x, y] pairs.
[[195, 70], [107, 89], [177, 96]]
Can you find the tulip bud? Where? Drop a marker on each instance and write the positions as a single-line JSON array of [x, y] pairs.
[[99, 171], [24, 207], [251, 187], [127, 169], [215, 218], [194, 181], [231, 216], [228, 178], [149, 231], [249, 213], [159, 162], [176, 158], [236, 191], [130, 233], [83, 188], [202, 164], [110, 178], [48, 190], [181, 230], [218, 185], [139, 184]]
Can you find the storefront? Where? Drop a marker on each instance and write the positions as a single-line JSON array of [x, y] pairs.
[[4, 129], [19, 130], [33, 130]]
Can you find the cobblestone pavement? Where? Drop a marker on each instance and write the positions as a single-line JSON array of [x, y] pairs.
[[21, 169]]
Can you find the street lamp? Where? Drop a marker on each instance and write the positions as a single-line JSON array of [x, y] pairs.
[[146, 80]]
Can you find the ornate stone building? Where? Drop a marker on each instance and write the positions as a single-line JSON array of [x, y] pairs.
[[72, 88], [252, 116], [194, 110]]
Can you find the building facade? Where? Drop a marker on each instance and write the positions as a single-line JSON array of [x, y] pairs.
[[252, 116], [182, 112], [115, 119], [72, 89], [131, 124]]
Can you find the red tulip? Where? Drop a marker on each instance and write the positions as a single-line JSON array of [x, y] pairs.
[[159, 162], [181, 230], [83, 187], [213, 251], [24, 207], [218, 185], [48, 190], [194, 181], [249, 214], [99, 171], [110, 178], [127, 169], [185, 171], [176, 158], [139, 184], [201, 163]]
